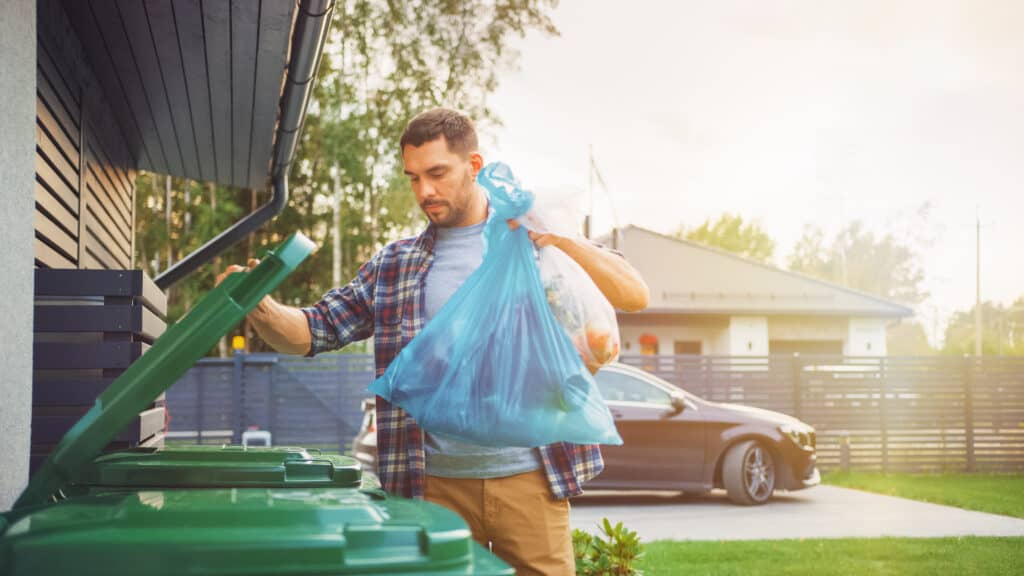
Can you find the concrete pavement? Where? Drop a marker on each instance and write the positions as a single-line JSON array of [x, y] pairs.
[[819, 512]]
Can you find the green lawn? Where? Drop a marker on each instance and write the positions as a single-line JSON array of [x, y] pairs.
[[995, 493], [841, 557]]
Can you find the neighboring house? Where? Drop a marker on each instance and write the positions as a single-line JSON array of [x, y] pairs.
[[709, 301], [95, 90]]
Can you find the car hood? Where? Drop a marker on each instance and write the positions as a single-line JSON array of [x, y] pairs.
[[744, 414]]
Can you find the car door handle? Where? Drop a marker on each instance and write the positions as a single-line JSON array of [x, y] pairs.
[[616, 414]]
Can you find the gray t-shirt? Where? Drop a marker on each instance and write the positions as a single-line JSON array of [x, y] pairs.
[[457, 253]]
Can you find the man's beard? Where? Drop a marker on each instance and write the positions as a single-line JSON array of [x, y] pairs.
[[443, 220], [454, 213]]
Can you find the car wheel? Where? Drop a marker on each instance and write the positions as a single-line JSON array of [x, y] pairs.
[[749, 473]]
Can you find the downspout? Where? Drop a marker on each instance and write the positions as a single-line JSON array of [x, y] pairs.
[[311, 26]]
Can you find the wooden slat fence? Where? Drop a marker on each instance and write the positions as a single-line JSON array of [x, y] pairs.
[[301, 401], [912, 414], [915, 414]]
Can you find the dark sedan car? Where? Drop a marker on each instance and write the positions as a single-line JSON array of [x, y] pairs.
[[673, 440]]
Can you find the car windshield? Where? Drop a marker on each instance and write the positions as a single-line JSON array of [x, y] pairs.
[[644, 378], [621, 386]]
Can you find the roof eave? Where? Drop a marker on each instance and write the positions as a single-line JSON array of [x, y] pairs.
[[311, 27]]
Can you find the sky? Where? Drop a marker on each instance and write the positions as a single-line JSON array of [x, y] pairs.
[[904, 115]]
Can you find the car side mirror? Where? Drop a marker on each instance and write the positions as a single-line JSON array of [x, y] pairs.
[[678, 406]]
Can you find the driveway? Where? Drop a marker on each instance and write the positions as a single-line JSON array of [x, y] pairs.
[[819, 512]]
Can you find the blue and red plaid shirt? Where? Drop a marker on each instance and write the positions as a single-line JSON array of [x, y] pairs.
[[386, 301]]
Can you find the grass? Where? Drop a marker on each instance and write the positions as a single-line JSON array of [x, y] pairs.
[[994, 493], [848, 556]]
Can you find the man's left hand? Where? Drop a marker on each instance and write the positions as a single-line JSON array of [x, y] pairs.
[[541, 240]]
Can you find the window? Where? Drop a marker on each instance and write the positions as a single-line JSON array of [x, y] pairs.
[[619, 387], [687, 347], [808, 347]]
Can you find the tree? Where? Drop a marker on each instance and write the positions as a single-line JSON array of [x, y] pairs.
[[908, 339], [1002, 330], [384, 62], [856, 258], [162, 236], [732, 234]]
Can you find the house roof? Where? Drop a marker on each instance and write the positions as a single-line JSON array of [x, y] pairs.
[[194, 86], [690, 278]]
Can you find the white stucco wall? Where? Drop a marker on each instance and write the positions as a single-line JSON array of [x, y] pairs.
[[17, 210], [748, 336], [751, 335], [866, 337], [708, 332], [807, 328], [719, 341], [715, 340]]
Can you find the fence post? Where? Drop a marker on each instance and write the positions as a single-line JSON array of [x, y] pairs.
[[705, 369], [969, 368], [797, 385], [272, 400], [844, 451], [883, 419], [236, 394]]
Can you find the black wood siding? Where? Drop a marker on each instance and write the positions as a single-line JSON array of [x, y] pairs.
[[85, 189], [194, 85]]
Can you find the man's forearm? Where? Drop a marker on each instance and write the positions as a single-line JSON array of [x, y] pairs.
[[284, 328], [620, 283]]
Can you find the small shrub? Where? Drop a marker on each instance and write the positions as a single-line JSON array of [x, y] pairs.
[[613, 555]]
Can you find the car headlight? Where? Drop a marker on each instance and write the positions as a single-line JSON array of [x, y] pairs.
[[801, 435]]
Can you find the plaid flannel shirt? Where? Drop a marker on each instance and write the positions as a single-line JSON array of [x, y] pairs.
[[386, 301]]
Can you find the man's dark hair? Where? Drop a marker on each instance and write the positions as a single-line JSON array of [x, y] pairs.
[[456, 127]]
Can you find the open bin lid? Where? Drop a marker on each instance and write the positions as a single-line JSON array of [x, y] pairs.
[[219, 467], [169, 358]]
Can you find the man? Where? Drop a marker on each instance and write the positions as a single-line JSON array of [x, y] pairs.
[[515, 499]]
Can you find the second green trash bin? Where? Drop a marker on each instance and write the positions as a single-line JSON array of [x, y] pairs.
[[217, 467]]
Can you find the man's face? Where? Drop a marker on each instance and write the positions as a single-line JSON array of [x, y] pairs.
[[444, 182]]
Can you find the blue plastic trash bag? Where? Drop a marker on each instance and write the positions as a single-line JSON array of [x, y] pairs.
[[494, 367]]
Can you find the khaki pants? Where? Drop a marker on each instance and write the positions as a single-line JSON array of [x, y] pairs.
[[516, 515]]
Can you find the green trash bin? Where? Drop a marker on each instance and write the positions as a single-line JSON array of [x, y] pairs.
[[235, 531], [216, 467], [218, 511]]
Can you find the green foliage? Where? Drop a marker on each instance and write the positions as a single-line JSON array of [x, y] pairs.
[[993, 493], [732, 234], [882, 266], [616, 554], [968, 555], [383, 63], [1002, 330], [907, 339], [198, 213]]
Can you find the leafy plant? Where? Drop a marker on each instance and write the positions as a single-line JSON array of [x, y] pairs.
[[614, 554]]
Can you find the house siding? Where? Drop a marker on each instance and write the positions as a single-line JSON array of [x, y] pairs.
[[84, 190], [729, 335]]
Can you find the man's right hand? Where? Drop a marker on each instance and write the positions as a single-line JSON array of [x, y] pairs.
[[284, 328], [253, 262]]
